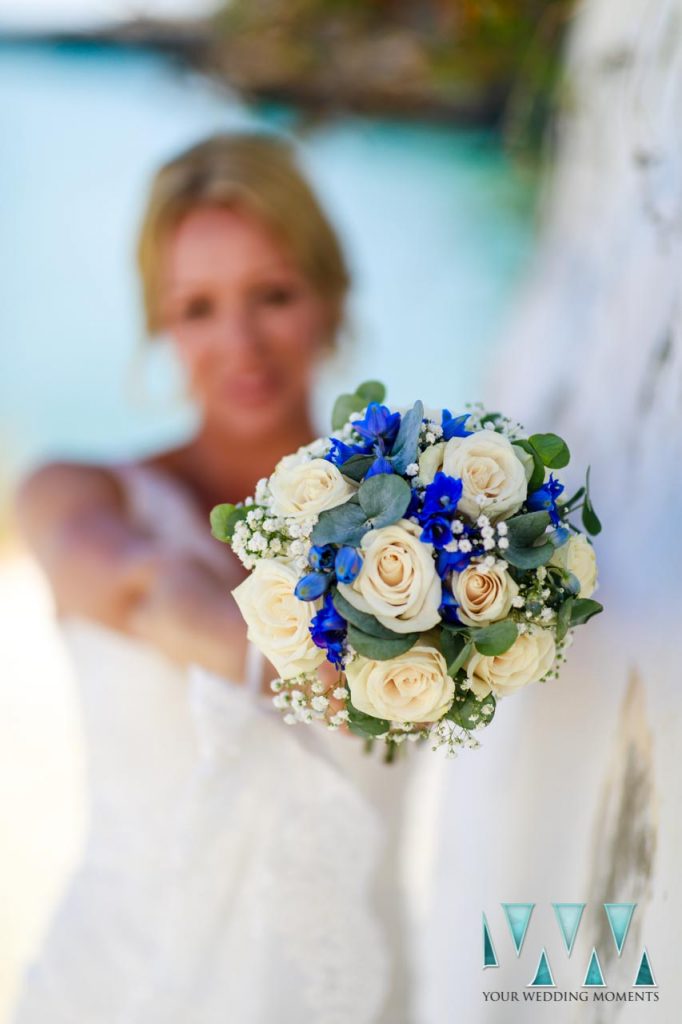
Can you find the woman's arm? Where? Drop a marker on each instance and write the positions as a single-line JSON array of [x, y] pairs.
[[105, 568]]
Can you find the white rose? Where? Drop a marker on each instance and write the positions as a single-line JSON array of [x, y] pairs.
[[488, 465], [302, 489], [577, 556], [398, 582], [483, 594], [430, 461], [414, 687], [277, 621], [529, 658]]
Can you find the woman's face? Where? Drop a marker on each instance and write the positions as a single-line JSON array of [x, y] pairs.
[[247, 324]]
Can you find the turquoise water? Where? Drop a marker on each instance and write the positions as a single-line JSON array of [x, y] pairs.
[[437, 225]]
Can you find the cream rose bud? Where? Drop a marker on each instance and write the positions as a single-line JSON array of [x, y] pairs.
[[278, 623], [414, 687], [489, 467], [577, 556], [430, 461], [300, 489], [483, 594], [529, 658], [398, 582]]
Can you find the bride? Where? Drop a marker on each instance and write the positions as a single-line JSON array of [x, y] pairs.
[[234, 866]]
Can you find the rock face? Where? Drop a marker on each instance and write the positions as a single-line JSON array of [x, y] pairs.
[[435, 59]]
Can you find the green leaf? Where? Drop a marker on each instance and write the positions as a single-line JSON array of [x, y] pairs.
[[356, 466], [224, 518], [538, 475], [564, 618], [343, 407], [345, 524], [524, 529], [365, 725], [590, 518], [583, 609], [468, 712], [405, 447], [456, 648], [361, 620], [528, 558], [371, 391], [379, 648], [384, 498], [496, 638], [552, 450]]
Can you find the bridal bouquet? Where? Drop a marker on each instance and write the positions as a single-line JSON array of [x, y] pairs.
[[429, 558]]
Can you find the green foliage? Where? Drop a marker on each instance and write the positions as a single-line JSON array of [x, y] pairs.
[[538, 474], [224, 518], [368, 391], [380, 648], [456, 649], [405, 447], [496, 638], [523, 532], [591, 520], [345, 524], [552, 450], [365, 725], [467, 710], [384, 499]]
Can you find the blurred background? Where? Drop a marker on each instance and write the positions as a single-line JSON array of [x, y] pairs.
[[422, 123]]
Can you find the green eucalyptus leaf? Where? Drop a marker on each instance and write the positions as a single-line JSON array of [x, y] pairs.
[[365, 725], [384, 498], [356, 466], [361, 620], [224, 518], [345, 524], [496, 638], [343, 407], [528, 558], [405, 447], [590, 518], [583, 609], [456, 648], [537, 477], [371, 391], [523, 530], [552, 449], [380, 648], [467, 710], [564, 618]]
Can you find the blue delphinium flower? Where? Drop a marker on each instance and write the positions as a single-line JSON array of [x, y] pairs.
[[348, 564], [312, 585], [438, 509], [328, 631], [341, 452], [321, 557], [380, 465], [453, 426], [452, 561], [378, 426], [448, 606], [545, 499], [442, 496]]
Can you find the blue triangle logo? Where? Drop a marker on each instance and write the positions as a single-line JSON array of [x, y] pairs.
[[489, 954], [568, 916], [645, 976], [594, 977], [543, 974], [619, 915], [518, 916]]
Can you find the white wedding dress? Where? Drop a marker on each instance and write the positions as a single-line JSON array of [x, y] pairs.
[[576, 793], [236, 868]]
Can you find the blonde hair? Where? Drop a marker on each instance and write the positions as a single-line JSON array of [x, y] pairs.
[[255, 171]]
